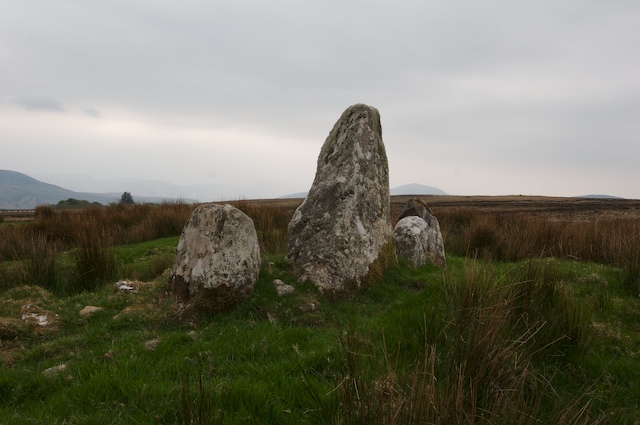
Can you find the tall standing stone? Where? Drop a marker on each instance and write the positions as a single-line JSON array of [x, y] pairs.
[[343, 224], [217, 259]]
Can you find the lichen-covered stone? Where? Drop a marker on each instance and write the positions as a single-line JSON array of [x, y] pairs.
[[282, 288], [417, 235], [217, 259], [416, 207], [341, 227]]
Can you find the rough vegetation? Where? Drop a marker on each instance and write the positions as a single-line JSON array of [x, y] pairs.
[[534, 320]]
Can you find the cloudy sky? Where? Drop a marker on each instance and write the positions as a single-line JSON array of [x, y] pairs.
[[476, 97]]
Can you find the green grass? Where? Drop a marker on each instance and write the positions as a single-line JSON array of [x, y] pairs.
[[546, 336], [146, 260]]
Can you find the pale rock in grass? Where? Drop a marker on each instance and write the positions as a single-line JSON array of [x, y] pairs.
[[344, 223], [54, 370], [151, 344], [417, 235], [90, 310], [128, 286], [282, 288], [217, 259]]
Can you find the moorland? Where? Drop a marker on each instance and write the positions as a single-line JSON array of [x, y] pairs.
[[535, 319]]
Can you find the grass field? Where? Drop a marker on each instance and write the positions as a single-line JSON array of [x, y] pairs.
[[536, 319]]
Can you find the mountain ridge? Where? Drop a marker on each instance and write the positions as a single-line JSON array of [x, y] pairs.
[[20, 191]]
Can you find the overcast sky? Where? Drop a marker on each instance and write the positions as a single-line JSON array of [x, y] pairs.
[[476, 97]]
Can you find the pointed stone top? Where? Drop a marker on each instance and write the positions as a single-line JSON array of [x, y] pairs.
[[343, 224]]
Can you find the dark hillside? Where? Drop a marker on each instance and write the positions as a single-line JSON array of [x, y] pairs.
[[19, 191]]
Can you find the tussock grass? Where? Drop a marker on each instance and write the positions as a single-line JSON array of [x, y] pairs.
[[41, 267], [271, 223], [94, 260], [474, 358], [514, 237], [89, 234]]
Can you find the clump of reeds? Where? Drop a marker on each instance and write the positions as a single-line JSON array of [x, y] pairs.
[[41, 268], [89, 233], [124, 223], [15, 242], [517, 236], [271, 223], [484, 364], [94, 259], [33, 257]]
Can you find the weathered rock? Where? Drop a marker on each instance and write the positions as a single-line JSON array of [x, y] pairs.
[[90, 310], [217, 259], [282, 288], [134, 311], [151, 344], [53, 371], [130, 286], [416, 207], [419, 241], [343, 224]]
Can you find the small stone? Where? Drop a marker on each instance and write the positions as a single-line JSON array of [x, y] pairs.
[[282, 288], [132, 286], [52, 371], [152, 344], [89, 310]]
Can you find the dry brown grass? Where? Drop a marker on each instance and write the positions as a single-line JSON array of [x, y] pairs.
[[271, 220], [511, 237]]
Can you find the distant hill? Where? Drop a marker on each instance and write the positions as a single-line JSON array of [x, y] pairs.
[[416, 189], [19, 191], [294, 195], [599, 197], [150, 190], [407, 189]]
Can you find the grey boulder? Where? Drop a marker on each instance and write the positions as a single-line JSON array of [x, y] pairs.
[[217, 259], [417, 235]]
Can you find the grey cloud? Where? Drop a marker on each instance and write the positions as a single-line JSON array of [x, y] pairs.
[[93, 113], [533, 81], [40, 104]]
